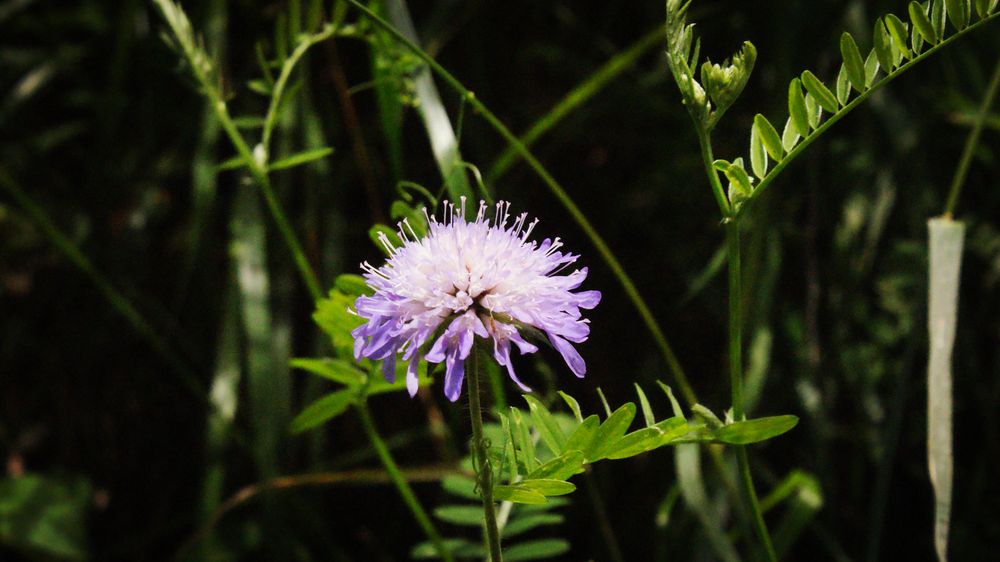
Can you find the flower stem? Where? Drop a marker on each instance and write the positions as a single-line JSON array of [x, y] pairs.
[[736, 380], [484, 472], [972, 141], [399, 480]]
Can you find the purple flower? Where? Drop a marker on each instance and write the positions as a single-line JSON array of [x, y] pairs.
[[482, 278]]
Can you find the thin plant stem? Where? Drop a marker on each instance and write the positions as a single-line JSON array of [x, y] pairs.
[[705, 142], [736, 381], [560, 194], [484, 472], [399, 480], [972, 141]]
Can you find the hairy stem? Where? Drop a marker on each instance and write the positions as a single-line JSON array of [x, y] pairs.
[[484, 472], [736, 381], [972, 141], [399, 480]]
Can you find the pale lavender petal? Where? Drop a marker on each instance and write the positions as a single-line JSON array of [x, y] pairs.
[[389, 368], [454, 373], [570, 355]]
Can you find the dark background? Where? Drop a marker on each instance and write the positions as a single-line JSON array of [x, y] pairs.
[[101, 128]]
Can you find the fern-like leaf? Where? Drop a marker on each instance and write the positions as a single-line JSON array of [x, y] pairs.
[[897, 46]]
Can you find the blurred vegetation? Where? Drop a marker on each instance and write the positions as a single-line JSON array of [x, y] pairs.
[[149, 304]]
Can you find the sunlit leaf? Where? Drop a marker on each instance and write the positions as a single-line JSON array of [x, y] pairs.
[[324, 409]]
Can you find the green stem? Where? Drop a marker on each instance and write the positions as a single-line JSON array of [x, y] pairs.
[[705, 142], [399, 480], [972, 141], [736, 380], [259, 173], [286, 71], [557, 190], [484, 472]]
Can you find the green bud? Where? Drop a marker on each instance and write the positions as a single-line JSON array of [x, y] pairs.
[[725, 82]]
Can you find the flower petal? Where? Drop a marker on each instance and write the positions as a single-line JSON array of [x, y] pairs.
[[454, 374], [570, 355]]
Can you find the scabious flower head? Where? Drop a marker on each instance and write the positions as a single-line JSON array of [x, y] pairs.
[[482, 278]]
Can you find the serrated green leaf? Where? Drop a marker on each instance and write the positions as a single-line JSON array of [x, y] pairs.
[[353, 285], [769, 137], [547, 486], [546, 425], [958, 13], [920, 21], [755, 431], [819, 91], [461, 486], [525, 523], [758, 155], [471, 515], [337, 370], [333, 317], [610, 432], [790, 136], [584, 433], [852, 62], [797, 108], [574, 406], [559, 468], [882, 48], [324, 409], [535, 550], [899, 32], [300, 158], [871, 69]]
